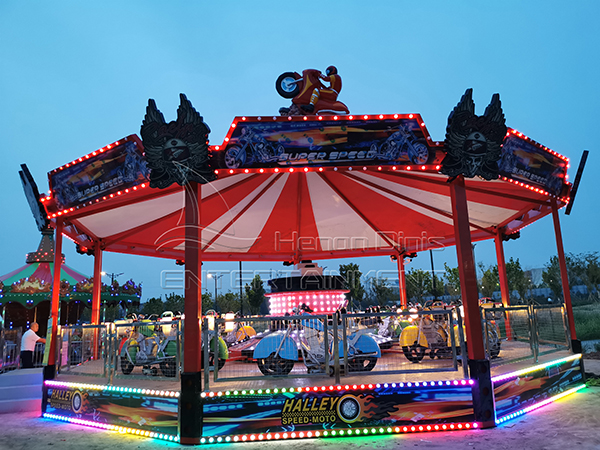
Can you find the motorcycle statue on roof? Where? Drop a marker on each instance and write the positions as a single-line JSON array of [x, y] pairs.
[[308, 93]]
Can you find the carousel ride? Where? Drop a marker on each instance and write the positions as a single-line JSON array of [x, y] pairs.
[[313, 184]]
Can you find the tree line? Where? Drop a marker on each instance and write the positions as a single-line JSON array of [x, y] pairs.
[[583, 270], [225, 302]]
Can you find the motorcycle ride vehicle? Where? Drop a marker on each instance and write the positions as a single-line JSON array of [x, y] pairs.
[[145, 344], [299, 88], [277, 353], [491, 329], [429, 332]]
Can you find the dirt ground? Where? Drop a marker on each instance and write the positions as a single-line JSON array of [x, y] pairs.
[[570, 423]]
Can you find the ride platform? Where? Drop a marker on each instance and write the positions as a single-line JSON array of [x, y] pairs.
[[300, 407]]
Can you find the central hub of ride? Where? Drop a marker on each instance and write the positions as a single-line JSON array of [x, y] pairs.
[[307, 289]]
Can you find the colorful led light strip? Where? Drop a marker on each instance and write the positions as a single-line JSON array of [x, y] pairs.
[[339, 433], [539, 405], [300, 168], [117, 389], [537, 144], [108, 197], [347, 387], [117, 428], [519, 373]]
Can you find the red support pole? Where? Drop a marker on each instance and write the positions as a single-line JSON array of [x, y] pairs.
[[193, 278], [96, 295], [564, 277], [97, 288], [402, 282], [466, 268], [190, 406], [55, 305], [504, 290]]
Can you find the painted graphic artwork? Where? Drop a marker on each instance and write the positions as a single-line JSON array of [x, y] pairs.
[[156, 414], [326, 142], [526, 162], [113, 170], [517, 393]]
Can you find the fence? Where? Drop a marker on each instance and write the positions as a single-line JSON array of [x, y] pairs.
[[342, 345], [10, 350], [304, 346], [124, 350], [516, 333], [10, 346], [84, 350]]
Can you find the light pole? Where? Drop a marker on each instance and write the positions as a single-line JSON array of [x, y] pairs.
[[112, 276], [433, 276], [216, 278]]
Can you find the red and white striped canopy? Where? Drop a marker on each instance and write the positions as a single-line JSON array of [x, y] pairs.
[[313, 213]]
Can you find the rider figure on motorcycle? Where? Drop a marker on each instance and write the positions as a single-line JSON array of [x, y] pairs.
[[330, 94]]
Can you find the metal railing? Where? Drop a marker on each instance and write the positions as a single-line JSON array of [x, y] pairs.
[[123, 350], [10, 346], [302, 346], [339, 345], [515, 333], [10, 350], [83, 350]]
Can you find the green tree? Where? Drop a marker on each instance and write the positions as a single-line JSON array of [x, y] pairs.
[[418, 284], [592, 275], [174, 303], [229, 302], [517, 280], [255, 293], [439, 286], [582, 268], [352, 279], [152, 306], [380, 293], [207, 303], [452, 278], [489, 281]]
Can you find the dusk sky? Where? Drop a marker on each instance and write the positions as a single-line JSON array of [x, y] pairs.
[[76, 76]]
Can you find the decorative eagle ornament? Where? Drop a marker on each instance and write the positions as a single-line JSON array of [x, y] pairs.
[[176, 152], [473, 143]]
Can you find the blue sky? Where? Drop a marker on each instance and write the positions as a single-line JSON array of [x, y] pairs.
[[76, 76]]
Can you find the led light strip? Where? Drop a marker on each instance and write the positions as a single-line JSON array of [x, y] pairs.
[[346, 387], [339, 433], [536, 144], [118, 389], [519, 373], [342, 117], [430, 167], [119, 429], [539, 405]]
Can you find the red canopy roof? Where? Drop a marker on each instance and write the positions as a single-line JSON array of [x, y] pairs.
[[291, 213], [359, 211]]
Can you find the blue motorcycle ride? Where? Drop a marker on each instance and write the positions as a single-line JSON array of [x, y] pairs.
[[304, 338]]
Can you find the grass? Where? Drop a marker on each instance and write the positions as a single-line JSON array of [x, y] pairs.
[[587, 321]]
